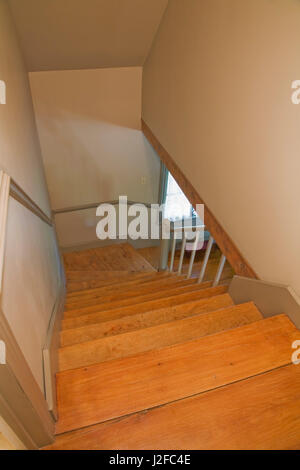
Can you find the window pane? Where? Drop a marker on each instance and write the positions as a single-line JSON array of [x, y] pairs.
[[177, 205]]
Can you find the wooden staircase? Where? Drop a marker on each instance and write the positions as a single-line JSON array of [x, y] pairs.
[[154, 361]]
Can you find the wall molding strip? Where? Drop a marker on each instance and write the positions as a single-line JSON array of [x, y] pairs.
[[4, 196], [226, 245], [22, 197], [94, 205]]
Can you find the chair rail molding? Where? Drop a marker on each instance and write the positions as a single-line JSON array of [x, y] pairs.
[[22, 403], [226, 245], [4, 196]]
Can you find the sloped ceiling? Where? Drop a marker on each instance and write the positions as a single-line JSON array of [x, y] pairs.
[[82, 34]]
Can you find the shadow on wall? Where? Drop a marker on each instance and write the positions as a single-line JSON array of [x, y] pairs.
[[88, 161]]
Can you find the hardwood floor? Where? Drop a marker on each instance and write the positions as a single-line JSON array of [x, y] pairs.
[[151, 254], [144, 320], [258, 413], [124, 386], [155, 361], [90, 315], [154, 337], [109, 258]]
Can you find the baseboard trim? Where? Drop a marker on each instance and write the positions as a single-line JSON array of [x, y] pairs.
[[50, 352], [94, 205], [270, 298]]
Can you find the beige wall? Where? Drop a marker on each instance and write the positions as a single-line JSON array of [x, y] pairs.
[[30, 281], [8, 439], [92, 145], [81, 34], [217, 94]]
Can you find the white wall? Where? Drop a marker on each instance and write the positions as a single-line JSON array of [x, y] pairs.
[[92, 145], [31, 279], [217, 94]]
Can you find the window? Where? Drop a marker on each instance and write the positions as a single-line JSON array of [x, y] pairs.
[[177, 206]]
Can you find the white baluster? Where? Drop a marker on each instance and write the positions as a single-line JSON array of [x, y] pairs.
[[220, 270], [182, 254], [193, 254], [206, 258], [173, 252]]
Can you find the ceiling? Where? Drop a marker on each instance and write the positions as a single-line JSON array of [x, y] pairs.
[[83, 34]]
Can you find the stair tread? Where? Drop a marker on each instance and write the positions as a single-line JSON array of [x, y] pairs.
[[75, 287], [116, 388], [156, 337], [110, 302], [111, 284], [89, 315], [89, 276], [143, 320], [113, 257], [119, 292], [258, 413]]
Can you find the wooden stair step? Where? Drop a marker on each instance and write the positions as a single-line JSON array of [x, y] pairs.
[[258, 413], [87, 318], [119, 291], [92, 275], [116, 388], [122, 286], [76, 286], [143, 320], [109, 258], [156, 337], [110, 302]]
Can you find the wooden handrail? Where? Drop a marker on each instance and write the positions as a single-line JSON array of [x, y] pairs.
[[94, 205], [226, 245], [19, 195]]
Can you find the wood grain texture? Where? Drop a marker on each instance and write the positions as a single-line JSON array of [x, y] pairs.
[[116, 388], [110, 287], [143, 320], [108, 258], [152, 254], [80, 275], [123, 284], [76, 286], [156, 337], [121, 293], [259, 413], [110, 303], [237, 261], [94, 317]]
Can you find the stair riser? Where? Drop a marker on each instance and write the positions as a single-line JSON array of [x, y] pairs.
[[259, 413], [122, 293], [156, 337], [90, 318], [109, 304], [144, 320], [166, 375], [121, 284]]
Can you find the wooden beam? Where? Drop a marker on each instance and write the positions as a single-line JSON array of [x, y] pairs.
[[226, 245]]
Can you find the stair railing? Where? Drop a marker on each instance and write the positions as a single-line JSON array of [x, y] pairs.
[[186, 234]]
